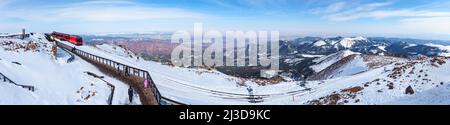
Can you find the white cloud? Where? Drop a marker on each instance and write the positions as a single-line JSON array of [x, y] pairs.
[[359, 11], [435, 25], [418, 20], [378, 11], [336, 7], [97, 11], [379, 14]]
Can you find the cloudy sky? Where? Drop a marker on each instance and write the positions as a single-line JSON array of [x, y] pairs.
[[428, 19]]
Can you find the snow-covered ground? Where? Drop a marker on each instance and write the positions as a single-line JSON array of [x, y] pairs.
[[56, 81], [357, 65], [59, 82], [388, 85]]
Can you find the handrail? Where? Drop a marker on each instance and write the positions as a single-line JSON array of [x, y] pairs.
[[6, 79]]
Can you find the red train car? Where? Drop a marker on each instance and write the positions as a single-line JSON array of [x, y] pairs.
[[74, 39]]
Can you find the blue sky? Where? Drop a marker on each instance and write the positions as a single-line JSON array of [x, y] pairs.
[[427, 19]]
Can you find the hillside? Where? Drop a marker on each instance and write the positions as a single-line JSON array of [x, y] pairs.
[[411, 82], [340, 64], [29, 62]]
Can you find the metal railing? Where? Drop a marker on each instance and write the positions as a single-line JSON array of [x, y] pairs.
[[6, 79]]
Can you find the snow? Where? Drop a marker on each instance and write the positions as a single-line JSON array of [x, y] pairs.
[[348, 42], [174, 82], [355, 66], [11, 94], [325, 61], [269, 73], [435, 96], [320, 43], [293, 61], [426, 92], [442, 47], [409, 45], [382, 48], [311, 56], [205, 87], [56, 81]]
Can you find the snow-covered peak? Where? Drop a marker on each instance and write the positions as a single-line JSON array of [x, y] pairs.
[[319, 43], [348, 42], [347, 52]]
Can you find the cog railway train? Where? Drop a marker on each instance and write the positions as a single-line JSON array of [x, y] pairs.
[[74, 39]]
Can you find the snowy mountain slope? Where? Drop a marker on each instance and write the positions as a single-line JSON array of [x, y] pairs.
[[348, 42], [446, 49], [325, 61], [320, 43], [56, 81], [348, 65], [354, 64], [401, 83]]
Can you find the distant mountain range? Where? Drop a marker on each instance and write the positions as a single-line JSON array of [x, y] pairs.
[[372, 45], [301, 56], [321, 58]]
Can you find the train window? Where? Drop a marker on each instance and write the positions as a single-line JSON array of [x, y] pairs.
[[79, 39]]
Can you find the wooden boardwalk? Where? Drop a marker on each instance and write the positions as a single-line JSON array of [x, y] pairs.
[[132, 76]]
